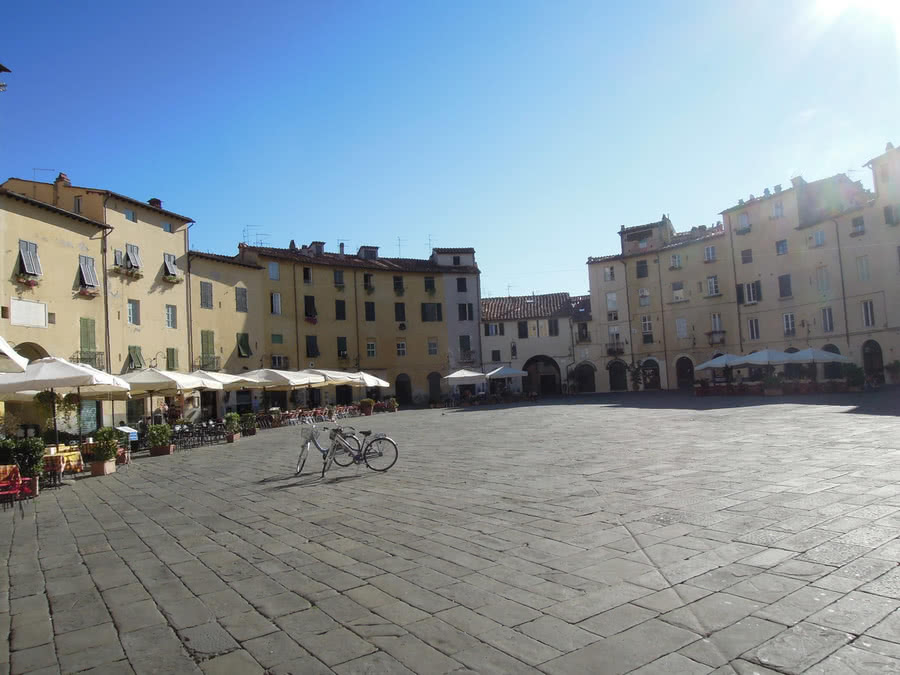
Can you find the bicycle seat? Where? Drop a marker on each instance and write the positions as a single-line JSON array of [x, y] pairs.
[[365, 433]]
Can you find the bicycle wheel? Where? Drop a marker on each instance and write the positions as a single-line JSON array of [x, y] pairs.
[[327, 459], [381, 454], [301, 459], [342, 456]]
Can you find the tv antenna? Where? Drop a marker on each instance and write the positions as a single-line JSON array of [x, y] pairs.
[[509, 290], [250, 236], [400, 243]]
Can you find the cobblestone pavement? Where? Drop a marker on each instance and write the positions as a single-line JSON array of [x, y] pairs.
[[591, 537]]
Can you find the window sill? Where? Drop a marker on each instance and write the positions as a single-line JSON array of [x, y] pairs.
[[712, 260], [751, 302], [677, 302], [713, 295], [674, 267], [858, 233], [786, 297]]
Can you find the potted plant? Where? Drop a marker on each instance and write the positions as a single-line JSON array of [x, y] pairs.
[[772, 385], [159, 439], [248, 424], [106, 447], [30, 458], [366, 405], [635, 376], [392, 405], [232, 427], [30, 280], [7, 451], [173, 278], [854, 376], [893, 369]]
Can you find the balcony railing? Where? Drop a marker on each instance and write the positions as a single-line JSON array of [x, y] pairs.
[[466, 356], [281, 363], [716, 337], [581, 338], [95, 359], [208, 362], [615, 348]]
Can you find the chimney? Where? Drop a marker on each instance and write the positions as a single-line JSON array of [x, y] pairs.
[[317, 247], [62, 180], [778, 188], [341, 248], [292, 245], [887, 148], [155, 202]]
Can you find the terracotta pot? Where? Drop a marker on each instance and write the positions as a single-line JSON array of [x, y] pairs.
[[161, 450], [249, 432], [231, 438], [103, 468]]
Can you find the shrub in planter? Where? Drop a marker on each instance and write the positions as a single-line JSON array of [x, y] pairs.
[[159, 439], [772, 385], [248, 424], [8, 451], [232, 426], [392, 405], [106, 446], [854, 376], [366, 405], [893, 369]]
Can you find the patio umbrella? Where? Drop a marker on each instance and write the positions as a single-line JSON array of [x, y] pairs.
[[228, 382], [370, 380], [505, 371], [813, 355], [765, 357], [335, 377], [10, 360], [61, 376], [269, 378], [464, 376], [155, 382], [722, 361]]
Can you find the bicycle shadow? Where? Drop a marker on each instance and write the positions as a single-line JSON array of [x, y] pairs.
[[315, 478]]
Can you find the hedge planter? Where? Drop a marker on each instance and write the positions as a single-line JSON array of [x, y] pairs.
[[160, 450], [103, 468], [231, 438], [773, 392], [251, 431]]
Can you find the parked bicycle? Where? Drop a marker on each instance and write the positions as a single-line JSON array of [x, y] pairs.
[[378, 452]]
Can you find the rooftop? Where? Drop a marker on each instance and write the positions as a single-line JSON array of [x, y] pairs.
[[308, 255], [659, 223], [49, 207], [454, 250], [512, 308], [231, 260]]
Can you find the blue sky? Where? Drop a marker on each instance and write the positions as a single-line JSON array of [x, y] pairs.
[[529, 130]]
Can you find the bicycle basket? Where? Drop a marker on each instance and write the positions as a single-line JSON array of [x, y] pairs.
[[309, 432]]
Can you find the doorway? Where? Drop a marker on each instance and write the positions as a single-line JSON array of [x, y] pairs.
[[618, 376], [584, 379], [684, 373], [873, 361], [434, 387], [650, 374], [403, 389], [343, 394]]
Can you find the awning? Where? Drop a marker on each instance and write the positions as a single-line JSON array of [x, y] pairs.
[[813, 355], [505, 371], [464, 376], [721, 361], [765, 357], [155, 381]]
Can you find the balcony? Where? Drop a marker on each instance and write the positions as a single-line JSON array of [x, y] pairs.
[[466, 356], [582, 337], [208, 362], [716, 337], [281, 362], [95, 359], [615, 348]]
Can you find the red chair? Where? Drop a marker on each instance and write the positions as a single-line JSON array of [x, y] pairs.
[[11, 488]]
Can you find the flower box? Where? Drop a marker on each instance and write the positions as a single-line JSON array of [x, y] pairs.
[[134, 272], [173, 278], [103, 468], [29, 280], [161, 450], [88, 292], [231, 438], [311, 319]]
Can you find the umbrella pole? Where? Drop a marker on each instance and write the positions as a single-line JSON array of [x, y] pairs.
[[55, 425], [80, 427]]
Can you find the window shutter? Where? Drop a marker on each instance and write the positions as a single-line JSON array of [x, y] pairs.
[[440, 316], [169, 262], [758, 285], [740, 294], [35, 258], [118, 258], [487, 331], [88, 335], [171, 358], [501, 328], [424, 314]]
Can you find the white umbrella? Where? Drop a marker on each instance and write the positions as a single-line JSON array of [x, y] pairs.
[[10, 360], [155, 381], [765, 357], [370, 380], [335, 377], [228, 382], [813, 355], [269, 378], [721, 361], [464, 376], [505, 371]]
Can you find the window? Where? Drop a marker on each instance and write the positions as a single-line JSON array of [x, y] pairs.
[[167, 227], [715, 320], [340, 310], [207, 347], [778, 210], [611, 302], [781, 247], [859, 225], [368, 284], [456, 261], [889, 216], [677, 291], [643, 243], [862, 267], [431, 311], [553, 327], [171, 358], [133, 257], [307, 275], [206, 295], [401, 348], [712, 285], [818, 238], [88, 337], [614, 335], [789, 324], [370, 349], [461, 285], [753, 328], [243, 345], [751, 293], [465, 346], [641, 269], [171, 316], [76, 206], [868, 308], [277, 339], [312, 346], [647, 330], [513, 351], [370, 311], [432, 346], [275, 303], [644, 297], [609, 274], [339, 278], [342, 347], [398, 284], [676, 261], [744, 220], [88, 272], [822, 281], [274, 271], [784, 286], [135, 357], [130, 215], [681, 328], [709, 253], [134, 312], [747, 256], [429, 285], [309, 306], [169, 265], [493, 329], [523, 330], [466, 311], [240, 299], [495, 355], [279, 361], [827, 320]]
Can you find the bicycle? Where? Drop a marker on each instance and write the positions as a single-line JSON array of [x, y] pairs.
[[379, 453]]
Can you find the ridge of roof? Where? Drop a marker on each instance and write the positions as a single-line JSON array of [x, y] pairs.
[[384, 264], [49, 207], [233, 260], [454, 250], [511, 308]]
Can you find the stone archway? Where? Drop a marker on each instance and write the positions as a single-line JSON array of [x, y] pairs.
[[618, 375], [833, 370], [650, 374], [585, 382], [684, 373], [403, 389], [31, 351], [434, 387], [543, 375], [873, 361]]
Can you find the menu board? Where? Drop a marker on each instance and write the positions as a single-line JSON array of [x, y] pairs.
[[88, 417]]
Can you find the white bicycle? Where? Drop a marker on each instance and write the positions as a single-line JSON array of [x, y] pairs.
[[378, 452]]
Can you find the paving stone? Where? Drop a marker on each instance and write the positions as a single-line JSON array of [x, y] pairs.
[[712, 613], [400, 613], [92, 657], [207, 639], [372, 664], [617, 620], [247, 625], [508, 613], [238, 661], [849, 659], [673, 664], [558, 634], [520, 646], [157, 649], [855, 612], [273, 649], [136, 615], [797, 606], [798, 648], [727, 644], [486, 660], [32, 634], [442, 636], [765, 587], [312, 620], [467, 621]]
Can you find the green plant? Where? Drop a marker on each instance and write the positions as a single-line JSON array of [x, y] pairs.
[[771, 381], [392, 403], [854, 375], [367, 403], [8, 451], [635, 372], [65, 406], [30, 456], [9, 424], [49, 436], [248, 421], [106, 444], [159, 435], [232, 423]]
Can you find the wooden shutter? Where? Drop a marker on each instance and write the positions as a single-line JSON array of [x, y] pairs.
[[440, 316], [501, 327], [739, 289], [171, 358], [118, 258], [88, 335], [207, 342], [169, 262], [758, 285]]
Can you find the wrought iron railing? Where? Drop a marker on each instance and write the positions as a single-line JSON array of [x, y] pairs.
[[207, 362], [91, 358]]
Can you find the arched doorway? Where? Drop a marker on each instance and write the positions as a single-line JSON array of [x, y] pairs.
[[434, 387], [343, 394], [31, 351], [650, 374], [543, 375], [793, 371], [403, 389], [684, 373], [873, 362], [833, 371], [618, 375], [584, 378]]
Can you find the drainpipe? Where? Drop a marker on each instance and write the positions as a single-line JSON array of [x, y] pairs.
[[356, 320], [734, 278], [296, 313], [837, 236], [187, 290], [628, 312], [662, 311], [480, 331], [106, 292]]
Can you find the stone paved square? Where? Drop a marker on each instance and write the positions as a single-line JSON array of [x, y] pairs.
[[614, 534]]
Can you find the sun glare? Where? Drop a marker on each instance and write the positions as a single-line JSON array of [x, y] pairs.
[[876, 10]]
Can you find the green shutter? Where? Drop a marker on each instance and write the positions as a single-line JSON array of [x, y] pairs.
[[207, 343], [135, 357], [88, 335], [171, 358], [243, 345]]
